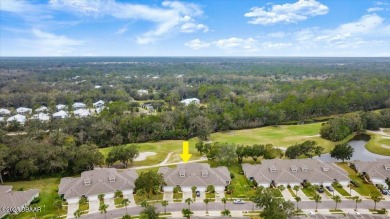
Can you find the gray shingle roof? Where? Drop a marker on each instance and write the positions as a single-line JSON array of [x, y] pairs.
[[99, 182], [283, 171], [9, 198], [193, 175], [375, 169]]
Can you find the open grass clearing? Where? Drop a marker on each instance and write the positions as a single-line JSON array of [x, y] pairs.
[[309, 192], [341, 190], [378, 144], [364, 189]]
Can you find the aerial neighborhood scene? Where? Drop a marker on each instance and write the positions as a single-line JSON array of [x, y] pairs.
[[196, 109]]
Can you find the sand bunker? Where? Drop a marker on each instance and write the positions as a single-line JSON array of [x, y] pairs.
[[143, 155]]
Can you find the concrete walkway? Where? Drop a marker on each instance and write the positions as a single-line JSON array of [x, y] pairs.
[[287, 195], [302, 195]]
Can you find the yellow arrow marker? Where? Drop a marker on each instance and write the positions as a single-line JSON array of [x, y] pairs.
[[185, 156]]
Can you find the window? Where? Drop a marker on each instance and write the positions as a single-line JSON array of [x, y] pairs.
[[205, 173], [182, 173], [111, 178], [87, 182], [325, 169], [294, 169], [304, 168], [387, 166], [272, 169]]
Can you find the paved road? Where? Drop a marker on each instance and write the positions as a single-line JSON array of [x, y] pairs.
[[218, 206], [165, 163]]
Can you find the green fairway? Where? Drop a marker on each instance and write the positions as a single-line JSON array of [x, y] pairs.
[[47, 192], [283, 135], [378, 144]]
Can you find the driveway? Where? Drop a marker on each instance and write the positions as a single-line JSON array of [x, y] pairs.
[[302, 195], [72, 207], [187, 195], [110, 202], [201, 197], [220, 197], [287, 195], [94, 206], [168, 196]]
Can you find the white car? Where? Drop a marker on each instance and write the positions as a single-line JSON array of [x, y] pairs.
[[238, 201]]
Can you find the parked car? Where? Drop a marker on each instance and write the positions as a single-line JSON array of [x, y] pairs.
[[197, 194], [354, 183], [217, 195], [320, 190], [238, 201], [385, 192], [329, 188]]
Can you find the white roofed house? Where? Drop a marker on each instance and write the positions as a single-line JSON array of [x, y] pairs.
[[17, 118], [95, 182], [60, 107], [2, 119], [42, 109], [200, 175], [98, 104], [60, 115], [142, 92], [79, 105], [5, 112], [81, 113], [24, 110], [43, 117], [294, 172], [15, 199], [377, 171], [190, 101]]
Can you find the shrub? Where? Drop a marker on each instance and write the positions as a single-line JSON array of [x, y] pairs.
[[232, 175], [382, 211], [288, 186], [36, 200]]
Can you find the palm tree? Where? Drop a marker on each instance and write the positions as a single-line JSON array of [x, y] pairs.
[[317, 199], [224, 200], [144, 203], [357, 200], [118, 193], [186, 212], [103, 209], [298, 199], [231, 188], [164, 204], [281, 188], [125, 202], [336, 199], [189, 201], [193, 191], [376, 199], [206, 201], [296, 189], [101, 197], [77, 213], [225, 212]]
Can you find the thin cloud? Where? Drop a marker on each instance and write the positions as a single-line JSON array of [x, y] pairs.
[[286, 13], [197, 44]]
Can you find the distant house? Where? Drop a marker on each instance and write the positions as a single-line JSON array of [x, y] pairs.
[[100, 109], [60, 107], [98, 86], [190, 101], [98, 104], [24, 110], [377, 171], [95, 182], [43, 117], [294, 172], [15, 199], [148, 107], [2, 119], [18, 118], [60, 115], [200, 175], [4, 112], [42, 109], [142, 92], [81, 113], [79, 105]]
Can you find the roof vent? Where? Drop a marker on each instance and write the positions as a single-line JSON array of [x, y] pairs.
[[387, 166], [272, 169], [182, 173], [112, 178], [294, 169], [87, 181], [304, 168], [325, 169], [205, 173]]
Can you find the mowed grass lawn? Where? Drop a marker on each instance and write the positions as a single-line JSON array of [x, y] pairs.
[[364, 189], [283, 135], [47, 192], [378, 144]]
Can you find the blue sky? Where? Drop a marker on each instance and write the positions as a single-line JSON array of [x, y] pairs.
[[195, 28]]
